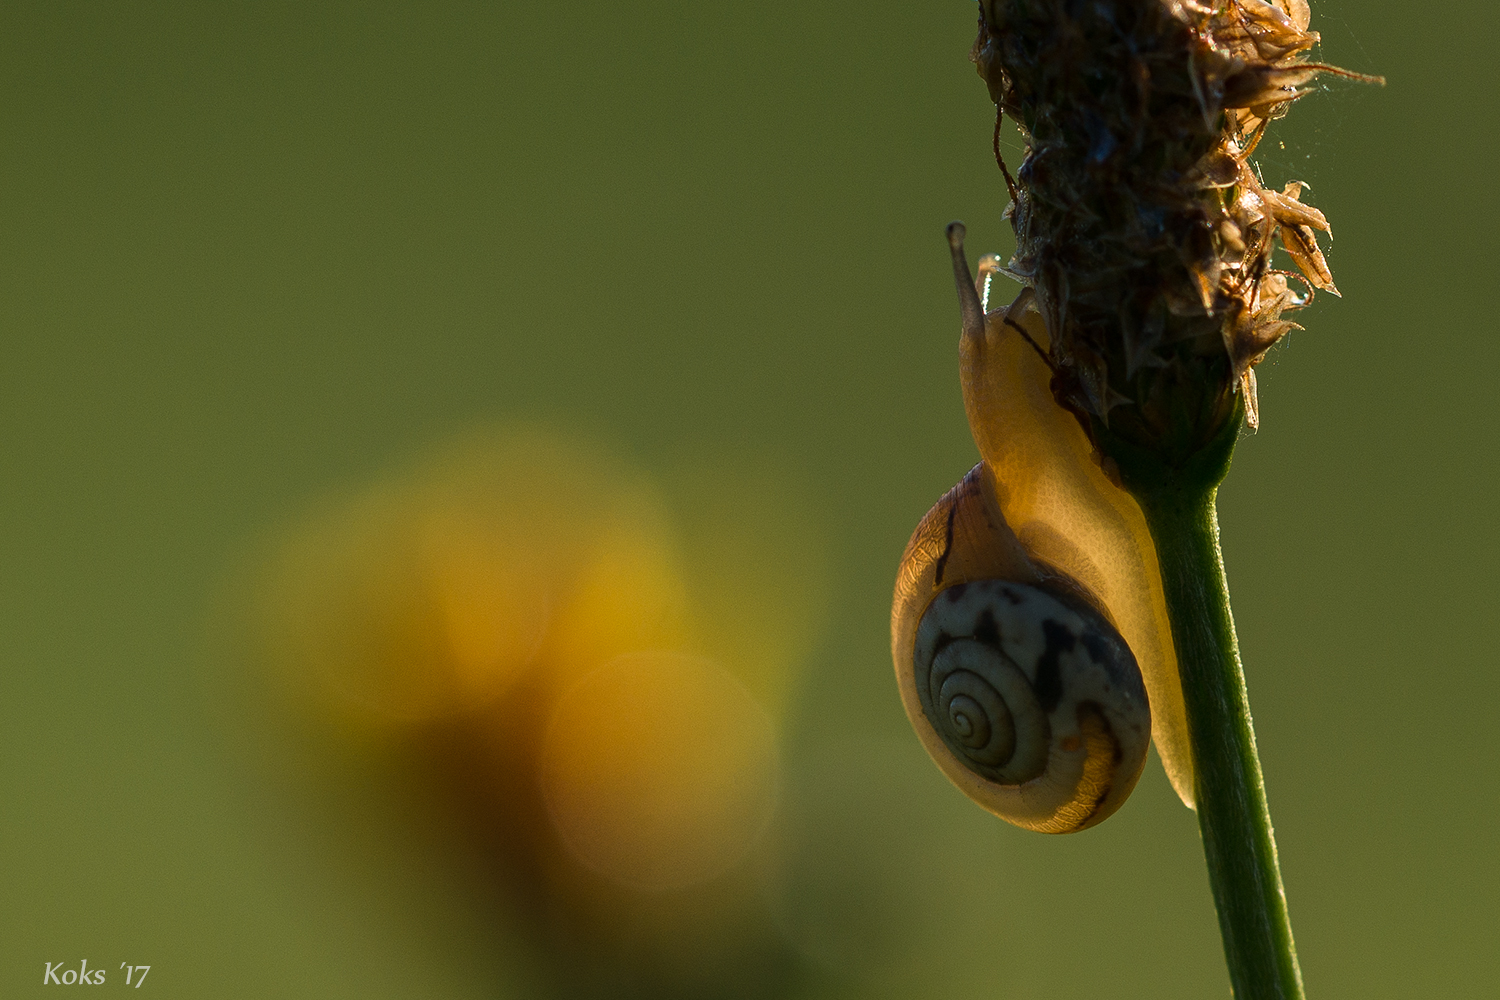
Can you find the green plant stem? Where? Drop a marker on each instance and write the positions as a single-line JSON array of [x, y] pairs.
[[1231, 797]]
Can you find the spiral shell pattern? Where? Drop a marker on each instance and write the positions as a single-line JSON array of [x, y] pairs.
[[1033, 688]]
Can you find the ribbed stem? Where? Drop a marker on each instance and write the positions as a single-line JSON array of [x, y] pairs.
[[1232, 814]]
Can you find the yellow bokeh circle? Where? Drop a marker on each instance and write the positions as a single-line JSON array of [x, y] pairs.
[[659, 770]]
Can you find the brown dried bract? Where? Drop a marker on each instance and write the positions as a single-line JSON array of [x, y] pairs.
[[1141, 225]]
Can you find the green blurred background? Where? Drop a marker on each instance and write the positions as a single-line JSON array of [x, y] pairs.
[[252, 255]]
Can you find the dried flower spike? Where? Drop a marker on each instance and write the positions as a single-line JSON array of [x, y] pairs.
[[1141, 225]]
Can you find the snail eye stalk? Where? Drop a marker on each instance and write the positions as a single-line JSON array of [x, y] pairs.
[[971, 309]]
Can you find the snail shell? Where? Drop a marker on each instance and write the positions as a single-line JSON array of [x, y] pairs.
[[1018, 686], [1036, 562]]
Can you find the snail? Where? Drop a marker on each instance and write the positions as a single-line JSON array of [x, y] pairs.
[[1029, 629]]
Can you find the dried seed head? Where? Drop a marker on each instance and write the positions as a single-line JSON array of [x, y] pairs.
[[1141, 226]]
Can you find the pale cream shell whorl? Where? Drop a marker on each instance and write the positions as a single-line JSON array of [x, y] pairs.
[[1025, 690]]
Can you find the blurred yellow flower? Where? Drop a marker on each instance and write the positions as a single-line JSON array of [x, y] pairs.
[[602, 667]]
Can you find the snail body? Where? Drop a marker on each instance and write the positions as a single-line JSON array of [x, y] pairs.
[[1029, 629]]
